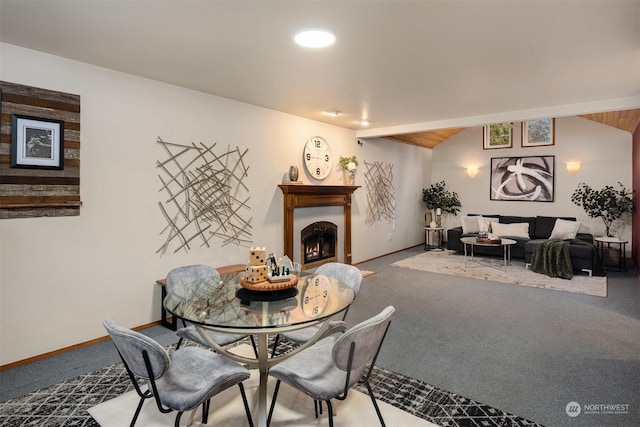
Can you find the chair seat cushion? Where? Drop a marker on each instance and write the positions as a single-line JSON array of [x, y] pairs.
[[222, 339], [196, 374], [313, 371]]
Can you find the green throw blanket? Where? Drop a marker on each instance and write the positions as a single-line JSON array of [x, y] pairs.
[[552, 258]]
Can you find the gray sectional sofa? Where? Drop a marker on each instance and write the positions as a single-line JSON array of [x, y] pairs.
[[540, 228]]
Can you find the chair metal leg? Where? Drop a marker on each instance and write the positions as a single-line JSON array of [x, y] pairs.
[[246, 405], [179, 343], [275, 345], [177, 423], [330, 412], [253, 344], [375, 404], [205, 411], [138, 409], [273, 402]]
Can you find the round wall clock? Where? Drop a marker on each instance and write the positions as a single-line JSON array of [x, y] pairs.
[[317, 157], [314, 296]]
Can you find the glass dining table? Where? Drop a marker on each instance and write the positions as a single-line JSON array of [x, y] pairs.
[[224, 305]]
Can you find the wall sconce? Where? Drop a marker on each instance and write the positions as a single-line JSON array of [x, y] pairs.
[[573, 167], [472, 171]]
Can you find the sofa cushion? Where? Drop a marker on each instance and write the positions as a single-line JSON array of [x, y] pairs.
[[470, 224], [531, 220], [564, 229], [545, 224], [520, 229]]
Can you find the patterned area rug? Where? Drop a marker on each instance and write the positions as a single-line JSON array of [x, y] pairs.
[[66, 404], [492, 269]]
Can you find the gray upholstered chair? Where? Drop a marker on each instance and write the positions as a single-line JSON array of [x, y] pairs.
[[182, 276], [182, 382], [330, 367], [345, 273]]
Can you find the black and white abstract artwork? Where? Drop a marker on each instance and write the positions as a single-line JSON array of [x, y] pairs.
[[523, 178]]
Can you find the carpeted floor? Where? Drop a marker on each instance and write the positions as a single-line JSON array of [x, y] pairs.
[[492, 269], [66, 404]]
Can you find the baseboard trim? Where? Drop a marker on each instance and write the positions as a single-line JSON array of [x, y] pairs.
[[384, 255], [67, 349]]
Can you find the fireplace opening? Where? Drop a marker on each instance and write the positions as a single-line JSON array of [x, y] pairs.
[[319, 242]]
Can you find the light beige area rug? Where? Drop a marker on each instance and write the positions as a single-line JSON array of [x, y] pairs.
[[451, 263], [292, 409], [367, 273]]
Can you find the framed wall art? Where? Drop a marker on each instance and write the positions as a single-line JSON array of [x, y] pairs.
[[539, 132], [523, 178], [37, 143], [497, 135]]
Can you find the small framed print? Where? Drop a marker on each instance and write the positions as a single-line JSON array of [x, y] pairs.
[[539, 132], [497, 135], [37, 143]]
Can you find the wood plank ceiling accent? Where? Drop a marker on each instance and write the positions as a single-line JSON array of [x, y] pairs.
[[627, 120], [426, 139]]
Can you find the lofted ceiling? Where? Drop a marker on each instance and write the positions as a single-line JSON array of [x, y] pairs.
[[627, 120], [418, 70]]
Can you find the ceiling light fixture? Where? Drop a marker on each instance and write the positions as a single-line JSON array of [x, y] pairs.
[[364, 122], [315, 38], [333, 113]]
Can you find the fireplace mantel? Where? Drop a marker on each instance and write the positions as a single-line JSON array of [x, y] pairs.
[[304, 196]]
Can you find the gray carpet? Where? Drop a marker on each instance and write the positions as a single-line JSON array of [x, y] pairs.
[[527, 351]]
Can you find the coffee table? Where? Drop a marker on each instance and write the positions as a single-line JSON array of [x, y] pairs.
[[471, 242]]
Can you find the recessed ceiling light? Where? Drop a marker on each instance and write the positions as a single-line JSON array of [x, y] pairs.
[[333, 113], [315, 38], [364, 122]]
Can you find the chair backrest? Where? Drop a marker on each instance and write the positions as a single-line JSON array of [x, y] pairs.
[[346, 273], [182, 275], [367, 337], [131, 344]]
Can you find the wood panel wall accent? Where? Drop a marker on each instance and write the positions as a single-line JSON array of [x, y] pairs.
[[28, 193], [305, 196]]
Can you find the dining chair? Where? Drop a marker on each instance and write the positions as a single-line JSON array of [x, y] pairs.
[[182, 276], [345, 273], [182, 382], [331, 367]]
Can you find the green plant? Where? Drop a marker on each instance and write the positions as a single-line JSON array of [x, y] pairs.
[[348, 163], [437, 196], [606, 203]]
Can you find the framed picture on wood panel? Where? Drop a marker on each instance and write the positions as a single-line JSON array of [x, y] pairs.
[[37, 143], [539, 132], [497, 135]]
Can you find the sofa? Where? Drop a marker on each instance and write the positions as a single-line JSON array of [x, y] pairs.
[[527, 231]]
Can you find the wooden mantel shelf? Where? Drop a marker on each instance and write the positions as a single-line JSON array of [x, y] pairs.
[[304, 196]]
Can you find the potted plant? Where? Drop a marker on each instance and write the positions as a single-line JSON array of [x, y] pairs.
[[348, 165], [436, 196], [606, 203]]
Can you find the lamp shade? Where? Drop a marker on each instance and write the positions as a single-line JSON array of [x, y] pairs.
[[472, 171], [573, 167]]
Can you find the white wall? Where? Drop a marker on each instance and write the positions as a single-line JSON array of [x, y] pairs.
[[605, 153], [61, 277]]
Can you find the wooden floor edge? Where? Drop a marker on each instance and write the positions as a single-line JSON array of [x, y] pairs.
[[67, 349]]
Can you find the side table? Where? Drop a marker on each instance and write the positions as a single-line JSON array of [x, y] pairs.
[[438, 236], [622, 251]]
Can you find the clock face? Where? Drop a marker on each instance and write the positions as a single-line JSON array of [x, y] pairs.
[[315, 295], [317, 157]]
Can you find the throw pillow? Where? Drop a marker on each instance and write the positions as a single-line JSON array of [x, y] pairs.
[[484, 223], [565, 229], [518, 229], [470, 224]]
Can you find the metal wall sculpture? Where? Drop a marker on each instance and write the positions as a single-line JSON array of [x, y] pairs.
[[381, 202], [206, 196], [523, 178]]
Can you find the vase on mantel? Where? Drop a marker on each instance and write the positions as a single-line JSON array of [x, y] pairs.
[[349, 177]]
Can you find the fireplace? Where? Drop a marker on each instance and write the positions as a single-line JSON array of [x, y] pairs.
[[318, 242]]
